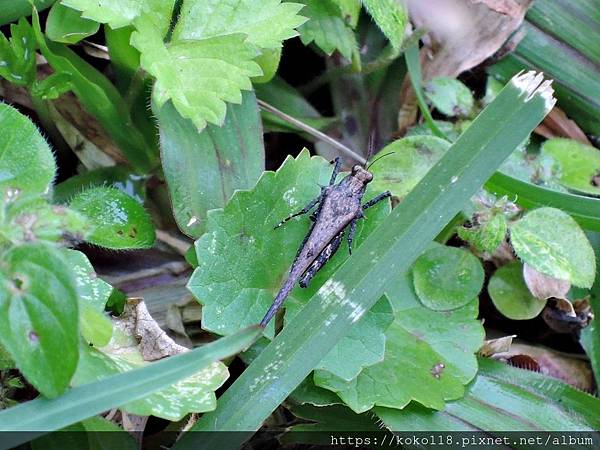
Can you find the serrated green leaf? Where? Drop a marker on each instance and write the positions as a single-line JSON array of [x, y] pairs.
[[510, 294], [39, 316], [120, 222], [578, 163], [27, 162], [120, 13], [390, 16], [411, 159], [17, 55], [486, 236], [449, 96], [503, 398], [438, 349], [551, 242], [198, 76], [237, 286], [204, 169], [266, 23], [447, 278], [93, 293], [66, 25], [193, 394], [350, 10], [327, 28]]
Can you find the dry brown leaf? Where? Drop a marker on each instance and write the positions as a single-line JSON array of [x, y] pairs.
[[557, 124], [543, 286], [499, 345], [507, 7]]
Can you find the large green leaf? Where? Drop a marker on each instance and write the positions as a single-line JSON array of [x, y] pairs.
[[39, 316], [11, 10], [66, 25], [327, 28], [503, 398], [551, 242], [390, 16], [360, 282], [204, 169], [265, 23], [27, 162], [120, 221], [120, 13], [90, 399]]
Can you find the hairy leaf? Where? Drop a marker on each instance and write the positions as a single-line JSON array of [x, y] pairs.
[[487, 235], [390, 16], [120, 221], [204, 169], [511, 295], [27, 162], [551, 242], [39, 316]]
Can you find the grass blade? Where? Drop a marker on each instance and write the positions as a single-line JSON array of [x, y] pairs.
[[361, 280], [41, 415]]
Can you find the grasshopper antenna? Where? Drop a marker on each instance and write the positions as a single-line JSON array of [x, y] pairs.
[[370, 148], [381, 157]]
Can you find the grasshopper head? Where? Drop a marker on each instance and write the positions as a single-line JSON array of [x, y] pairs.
[[362, 174]]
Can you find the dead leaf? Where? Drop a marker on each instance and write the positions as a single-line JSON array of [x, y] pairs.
[[543, 286], [557, 124], [507, 7], [492, 346], [562, 316]]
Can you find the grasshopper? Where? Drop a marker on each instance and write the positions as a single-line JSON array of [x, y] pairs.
[[339, 209]]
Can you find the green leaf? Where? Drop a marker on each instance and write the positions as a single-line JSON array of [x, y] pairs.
[[198, 76], [411, 159], [359, 283], [14, 9], [511, 295], [449, 96], [309, 393], [204, 169], [436, 348], [39, 316], [268, 61], [237, 286], [578, 163], [192, 394], [88, 400], [447, 278], [120, 222], [17, 55], [27, 162], [93, 293], [101, 99], [67, 26], [120, 13], [503, 398], [350, 10], [53, 86], [390, 16], [487, 235], [266, 23], [327, 29], [551, 242]]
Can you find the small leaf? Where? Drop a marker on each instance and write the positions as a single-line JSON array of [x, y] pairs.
[[551, 242], [510, 294], [120, 13], [39, 316], [446, 278], [120, 221], [439, 366], [327, 28], [27, 162], [17, 55], [266, 23], [449, 96], [411, 159], [204, 169], [53, 86], [67, 26], [390, 16], [579, 164], [198, 76], [486, 236]]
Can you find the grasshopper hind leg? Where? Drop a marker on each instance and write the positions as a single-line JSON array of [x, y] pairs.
[[321, 260]]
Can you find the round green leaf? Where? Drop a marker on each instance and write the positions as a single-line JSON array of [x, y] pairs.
[[120, 221], [26, 161], [511, 295], [579, 164], [39, 316], [551, 242], [446, 278], [449, 96], [411, 159]]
